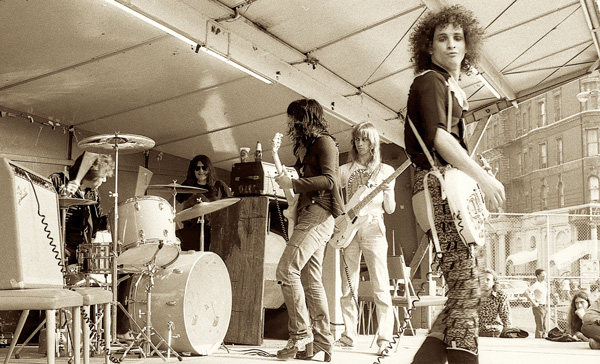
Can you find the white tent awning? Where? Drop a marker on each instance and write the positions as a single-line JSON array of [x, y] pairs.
[[570, 254], [522, 257]]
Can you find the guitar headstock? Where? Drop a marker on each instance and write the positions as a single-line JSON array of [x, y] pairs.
[[276, 142]]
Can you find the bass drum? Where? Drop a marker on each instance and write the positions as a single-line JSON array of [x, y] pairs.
[[194, 294]]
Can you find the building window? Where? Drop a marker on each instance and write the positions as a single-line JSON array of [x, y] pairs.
[[519, 125], [520, 163], [525, 160], [541, 113], [557, 107], [544, 195], [594, 187], [543, 151], [561, 194], [525, 116], [559, 151], [591, 137]]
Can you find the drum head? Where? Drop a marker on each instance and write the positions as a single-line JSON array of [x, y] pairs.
[[192, 298]]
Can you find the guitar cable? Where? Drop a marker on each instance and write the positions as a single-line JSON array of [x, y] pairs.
[[51, 242]]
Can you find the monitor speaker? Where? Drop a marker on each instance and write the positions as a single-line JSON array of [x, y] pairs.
[[29, 221]]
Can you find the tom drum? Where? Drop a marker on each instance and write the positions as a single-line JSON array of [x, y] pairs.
[[144, 223], [191, 297]]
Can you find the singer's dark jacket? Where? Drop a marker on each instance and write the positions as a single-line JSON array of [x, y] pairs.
[[428, 109]]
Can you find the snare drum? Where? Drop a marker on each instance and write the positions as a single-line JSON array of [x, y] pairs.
[[190, 302], [146, 222], [94, 258]]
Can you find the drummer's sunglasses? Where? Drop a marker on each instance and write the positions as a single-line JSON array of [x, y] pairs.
[[204, 168]]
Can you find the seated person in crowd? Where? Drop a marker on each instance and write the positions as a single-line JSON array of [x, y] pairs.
[[494, 310], [590, 326], [579, 304]]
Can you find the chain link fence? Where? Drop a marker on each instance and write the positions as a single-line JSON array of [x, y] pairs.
[[564, 245]]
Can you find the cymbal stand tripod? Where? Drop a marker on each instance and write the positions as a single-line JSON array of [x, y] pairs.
[[143, 338]]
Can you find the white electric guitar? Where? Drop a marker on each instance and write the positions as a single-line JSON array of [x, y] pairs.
[[347, 224], [292, 210]]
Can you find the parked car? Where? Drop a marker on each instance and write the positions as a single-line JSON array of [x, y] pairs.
[[515, 290]]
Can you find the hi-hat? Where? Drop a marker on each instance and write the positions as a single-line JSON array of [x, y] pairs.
[[204, 208], [125, 143], [177, 188], [66, 202]]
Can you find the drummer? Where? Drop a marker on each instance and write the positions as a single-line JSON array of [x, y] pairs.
[[202, 174], [82, 180]]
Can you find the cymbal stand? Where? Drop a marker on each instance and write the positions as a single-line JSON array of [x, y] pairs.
[[144, 337], [115, 240]]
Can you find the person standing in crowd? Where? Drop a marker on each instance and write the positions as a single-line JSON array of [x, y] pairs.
[[537, 295], [319, 201], [202, 174], [444, 44], [494, 310], [365, 169]]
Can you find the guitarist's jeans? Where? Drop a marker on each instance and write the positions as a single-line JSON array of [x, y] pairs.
[[300, 275], [370, 240]]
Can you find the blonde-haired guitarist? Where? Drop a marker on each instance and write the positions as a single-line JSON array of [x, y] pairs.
[[366, 170]]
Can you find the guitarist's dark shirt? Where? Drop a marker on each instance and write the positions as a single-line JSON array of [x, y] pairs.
[[427, 108], [319, 180]]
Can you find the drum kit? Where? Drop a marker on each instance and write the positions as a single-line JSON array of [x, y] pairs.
[[192, 290]]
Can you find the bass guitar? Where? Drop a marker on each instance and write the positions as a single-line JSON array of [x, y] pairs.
[[292, 200], [347, 224]]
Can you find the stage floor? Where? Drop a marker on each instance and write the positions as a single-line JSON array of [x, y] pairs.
[[492, 351]]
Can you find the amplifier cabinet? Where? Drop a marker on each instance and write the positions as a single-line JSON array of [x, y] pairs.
[[30, 241], [257, 179]]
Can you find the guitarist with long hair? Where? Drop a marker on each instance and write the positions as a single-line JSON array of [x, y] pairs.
[[301, 265], [363, 172]]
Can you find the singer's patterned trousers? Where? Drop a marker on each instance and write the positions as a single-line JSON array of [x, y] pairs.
[[457, 324]]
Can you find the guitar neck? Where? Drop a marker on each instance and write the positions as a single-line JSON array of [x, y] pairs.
[[365, 201], [289, 194]]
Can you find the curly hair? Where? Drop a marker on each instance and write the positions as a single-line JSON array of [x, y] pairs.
[[306, 122], [368, 130], [103, 167], [421, 39], [574, 322], [494, 277]]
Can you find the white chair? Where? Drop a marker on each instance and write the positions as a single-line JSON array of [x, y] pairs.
[[49, 300]]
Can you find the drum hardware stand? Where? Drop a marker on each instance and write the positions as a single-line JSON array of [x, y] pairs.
[[143, 338]]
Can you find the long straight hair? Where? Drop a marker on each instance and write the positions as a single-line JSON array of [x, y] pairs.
[[366, 129], [306, 122], [210, 171]]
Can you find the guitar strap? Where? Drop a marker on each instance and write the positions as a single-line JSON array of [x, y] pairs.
[[435, 172]]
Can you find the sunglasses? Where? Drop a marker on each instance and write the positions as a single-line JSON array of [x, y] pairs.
[[204, 168]]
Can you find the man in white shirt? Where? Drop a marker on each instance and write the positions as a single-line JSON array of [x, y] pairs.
[[366, 169], [537, 294]]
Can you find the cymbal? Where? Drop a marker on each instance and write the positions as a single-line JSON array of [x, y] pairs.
[[66, 202], [204, 208], [125, 143], [178, 188]]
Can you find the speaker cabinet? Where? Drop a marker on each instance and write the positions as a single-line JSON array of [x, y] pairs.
[[30, 238]]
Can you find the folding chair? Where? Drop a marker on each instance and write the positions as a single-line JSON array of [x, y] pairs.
[[49, 300], [400, 275]]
